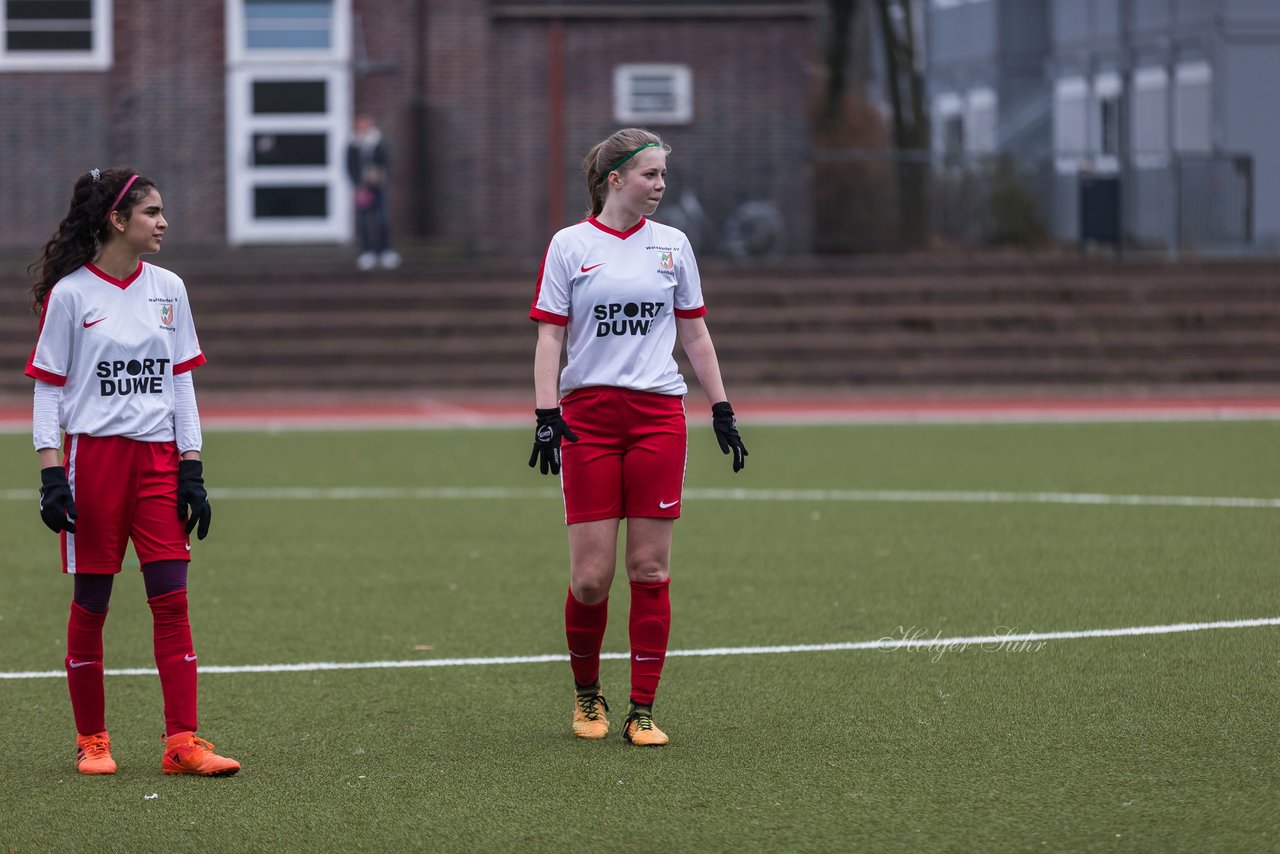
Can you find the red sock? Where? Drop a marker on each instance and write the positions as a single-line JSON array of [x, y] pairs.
[[175, 660], [84, 669], [584, 627], [650, 627]]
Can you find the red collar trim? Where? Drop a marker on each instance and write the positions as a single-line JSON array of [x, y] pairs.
[[119, 283], [622, 235]]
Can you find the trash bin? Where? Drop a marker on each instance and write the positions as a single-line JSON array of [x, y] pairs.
[[1099, 209]]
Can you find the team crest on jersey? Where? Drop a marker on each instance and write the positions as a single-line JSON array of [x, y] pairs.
[[666, 261], [166, 314]]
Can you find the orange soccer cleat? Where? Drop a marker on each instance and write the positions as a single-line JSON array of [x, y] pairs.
[[93, 754], [589, 720], [185, 753], [640, 729]]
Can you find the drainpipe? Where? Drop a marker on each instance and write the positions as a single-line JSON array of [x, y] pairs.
[[421, 128], [1124, 138]]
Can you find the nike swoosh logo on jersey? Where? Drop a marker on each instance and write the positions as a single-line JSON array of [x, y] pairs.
[[584, 268], [78, 664], [89, 323], [667, 505], [189, 657]]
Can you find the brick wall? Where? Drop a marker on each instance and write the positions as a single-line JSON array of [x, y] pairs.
[[463, 93], [748, 140], [460, 150], [168, 113], [387, 67], [44, 149], [158, 108]]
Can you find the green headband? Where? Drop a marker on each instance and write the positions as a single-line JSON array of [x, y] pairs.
[[615, 166]]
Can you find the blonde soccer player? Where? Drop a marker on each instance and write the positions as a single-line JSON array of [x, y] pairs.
[[620, 289]]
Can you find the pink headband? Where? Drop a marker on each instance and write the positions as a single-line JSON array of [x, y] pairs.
[[127, 185]]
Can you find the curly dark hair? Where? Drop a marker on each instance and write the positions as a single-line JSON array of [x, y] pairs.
[[83, 229]]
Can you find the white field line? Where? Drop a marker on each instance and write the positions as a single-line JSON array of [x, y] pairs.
[[908, 640], [802, 418], [908, 496]]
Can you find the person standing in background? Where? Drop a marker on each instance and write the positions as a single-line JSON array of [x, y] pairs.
[[112, 368], [368, 166]]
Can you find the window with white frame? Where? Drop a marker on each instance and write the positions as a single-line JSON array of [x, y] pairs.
[[980, 121], [1109, 126], [953, 138], [292, 25], [55, 35], [1070, 117], [653, 94], [1106, 125], [288, 120], [1192, 107], [1149, 125], [948, 126], [288, 30]]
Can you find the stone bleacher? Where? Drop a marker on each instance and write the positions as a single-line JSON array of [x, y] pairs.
[[894, 324]]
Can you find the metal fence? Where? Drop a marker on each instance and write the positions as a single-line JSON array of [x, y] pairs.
[[872, 201]]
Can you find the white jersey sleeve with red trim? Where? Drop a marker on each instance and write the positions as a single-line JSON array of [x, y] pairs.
[[50, 358], [186, 345], [114, 346], [688, 283], [551, 298], [619, 293]]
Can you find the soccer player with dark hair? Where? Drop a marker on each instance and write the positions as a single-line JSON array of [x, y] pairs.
[[624, 288], [112, 370]]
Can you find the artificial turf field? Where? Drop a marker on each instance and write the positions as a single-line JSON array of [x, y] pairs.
[[434, 545]]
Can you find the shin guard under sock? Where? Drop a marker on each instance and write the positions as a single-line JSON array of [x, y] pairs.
[[584, 627], [175, 660], [650, 626], [84, 669]]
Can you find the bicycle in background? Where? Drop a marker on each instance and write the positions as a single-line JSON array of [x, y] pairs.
[[754, 229]]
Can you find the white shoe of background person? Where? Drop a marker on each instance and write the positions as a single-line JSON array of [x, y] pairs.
[[366, 261], [390, 259]]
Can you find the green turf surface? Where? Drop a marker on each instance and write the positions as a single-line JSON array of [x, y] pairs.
[[1151, 743]]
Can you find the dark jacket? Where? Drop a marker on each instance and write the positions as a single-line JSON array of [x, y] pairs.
[[368, 169]]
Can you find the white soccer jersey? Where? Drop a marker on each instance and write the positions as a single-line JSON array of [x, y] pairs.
[[619, 293], [114, 346]]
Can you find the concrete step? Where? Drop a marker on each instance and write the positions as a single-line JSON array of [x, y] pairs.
[[875, 324]]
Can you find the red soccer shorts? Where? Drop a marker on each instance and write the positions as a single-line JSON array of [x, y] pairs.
[[124, 490], [630, 456]]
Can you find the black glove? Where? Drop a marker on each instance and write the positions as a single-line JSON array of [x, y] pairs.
[[546, 439], [727, 433], [57, 507], [192, 495]]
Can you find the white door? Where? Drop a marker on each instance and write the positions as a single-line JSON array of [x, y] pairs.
[[288, 119]]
